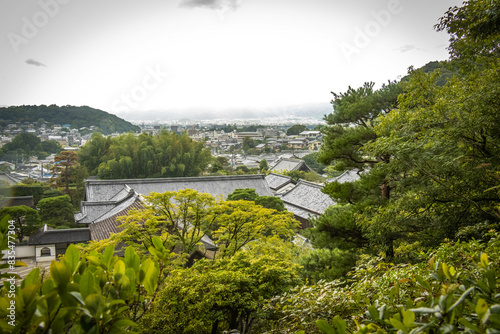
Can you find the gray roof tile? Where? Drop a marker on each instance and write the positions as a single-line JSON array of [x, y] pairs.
[[102, 230], [276, 181], [347, 176], [47, 235], [104, 190], [308, 196], [287, 165]]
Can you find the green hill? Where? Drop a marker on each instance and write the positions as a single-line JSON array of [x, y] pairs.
[[77, 117], [447, 71]]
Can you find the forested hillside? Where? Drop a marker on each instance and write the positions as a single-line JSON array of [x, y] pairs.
[[77, 117]]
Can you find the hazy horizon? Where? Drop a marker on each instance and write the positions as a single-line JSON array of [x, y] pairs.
[[215, 57]]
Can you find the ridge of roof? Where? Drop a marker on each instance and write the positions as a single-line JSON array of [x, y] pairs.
[[301, 207], [102, 229], [110, 213], [131, 193], [309, 183], [178, 179]]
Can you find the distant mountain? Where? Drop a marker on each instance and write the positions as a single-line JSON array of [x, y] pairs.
[[77, 117], [310, 110]]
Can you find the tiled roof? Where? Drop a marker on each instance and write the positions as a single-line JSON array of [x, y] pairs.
[[102, 230], [277, 181], [48, 236], [122, 194], [93, 212], [288, 165], [104, 190], [308, 195], [16, 201], [347, 176], [299, 211], [9, 179]]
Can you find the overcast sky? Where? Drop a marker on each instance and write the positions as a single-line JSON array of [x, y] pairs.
[[129, 56]]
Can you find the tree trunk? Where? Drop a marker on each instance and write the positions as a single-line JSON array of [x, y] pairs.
[[386, 190], [390, 249], [233, 323], [215, 327]]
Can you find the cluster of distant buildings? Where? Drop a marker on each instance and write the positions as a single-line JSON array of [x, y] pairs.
[[62, 133], [68, 138], [271, 140]]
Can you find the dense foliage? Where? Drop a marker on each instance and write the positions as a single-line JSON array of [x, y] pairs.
[[27, 220], [94, 293], [57, 211], [224, 294], [77, 117], [248, 194], [455, 290], [25, 145], [166, 154], [430, 155], [311, 161], [294, 130]]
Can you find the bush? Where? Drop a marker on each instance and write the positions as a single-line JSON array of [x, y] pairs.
[[455, 291], [57, 211]]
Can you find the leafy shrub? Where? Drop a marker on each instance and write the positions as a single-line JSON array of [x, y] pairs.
[[456, 290], [97, 293]]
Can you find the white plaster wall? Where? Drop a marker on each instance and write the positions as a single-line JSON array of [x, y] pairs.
[[46, 258], [22, 251]]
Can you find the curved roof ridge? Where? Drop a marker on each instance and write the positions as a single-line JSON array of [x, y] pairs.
[[317, 185]]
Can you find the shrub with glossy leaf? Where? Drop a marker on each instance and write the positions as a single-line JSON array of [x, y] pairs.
[[99, 293]]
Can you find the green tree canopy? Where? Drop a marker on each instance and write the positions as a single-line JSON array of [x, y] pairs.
[[263, 165], [431, 158], [249, 194], [62, 171], [27, 220], [77, 117], [294, 130], [166, 154], [225, 294], [57, 211]]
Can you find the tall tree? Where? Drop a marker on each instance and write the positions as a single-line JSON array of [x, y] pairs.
[[441, 144], [474, 30], [263, 165], [349, 128], [181, 218], [64, 164]]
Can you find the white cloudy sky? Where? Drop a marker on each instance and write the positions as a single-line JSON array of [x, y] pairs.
[[130, 56]]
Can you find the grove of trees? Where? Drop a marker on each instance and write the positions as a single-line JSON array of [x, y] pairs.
[[166, 154]]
